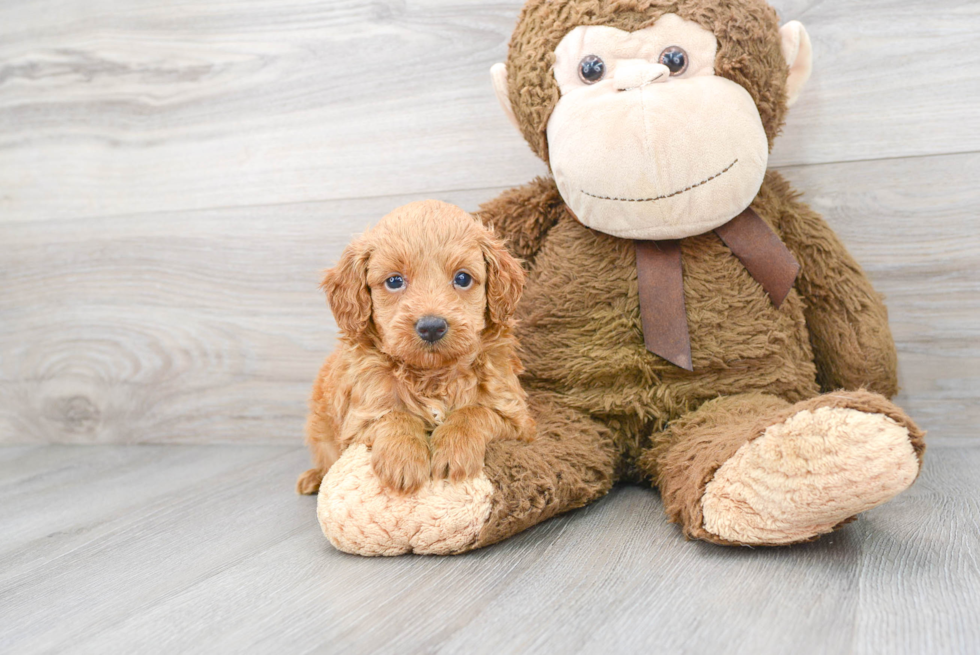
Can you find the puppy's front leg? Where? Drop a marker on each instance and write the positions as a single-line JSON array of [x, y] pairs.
[[399, 451], [459, 445]]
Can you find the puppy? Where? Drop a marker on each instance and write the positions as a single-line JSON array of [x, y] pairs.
[[425, 372]]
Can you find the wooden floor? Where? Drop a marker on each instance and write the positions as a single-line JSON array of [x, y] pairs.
[[181, 549]]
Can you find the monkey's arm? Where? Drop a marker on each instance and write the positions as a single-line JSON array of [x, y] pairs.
[[846, 317], [523, 216]]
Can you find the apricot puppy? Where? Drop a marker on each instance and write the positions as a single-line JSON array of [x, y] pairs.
[[425, 372]]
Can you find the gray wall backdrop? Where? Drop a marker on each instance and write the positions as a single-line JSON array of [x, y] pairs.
[[174, 175]]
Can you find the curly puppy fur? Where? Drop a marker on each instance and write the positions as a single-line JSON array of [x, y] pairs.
[[425, 409]]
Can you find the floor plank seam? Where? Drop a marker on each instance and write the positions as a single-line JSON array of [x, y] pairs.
[[440, 192]]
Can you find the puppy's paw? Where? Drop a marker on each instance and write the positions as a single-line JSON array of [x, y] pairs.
[[401, 462], [528, 429], [309, 482], [457, 453]]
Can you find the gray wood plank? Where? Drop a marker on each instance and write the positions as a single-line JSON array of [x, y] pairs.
[[153, 549], [110, 109], [858, 104], [208, 327], [919, 580], [105, 485], [236, 562]]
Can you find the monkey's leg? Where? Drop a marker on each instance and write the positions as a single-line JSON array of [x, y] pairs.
[[753, 469], [570, 463]]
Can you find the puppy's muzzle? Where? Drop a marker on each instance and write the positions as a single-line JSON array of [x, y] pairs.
[[431, 328]]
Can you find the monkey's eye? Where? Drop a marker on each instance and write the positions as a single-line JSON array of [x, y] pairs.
[[395, 283], [675, 59], [591, 69], [462, 280]]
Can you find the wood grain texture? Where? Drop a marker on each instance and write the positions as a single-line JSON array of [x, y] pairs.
[[230, 559], [208, 327], [108, 108], [57, 499]]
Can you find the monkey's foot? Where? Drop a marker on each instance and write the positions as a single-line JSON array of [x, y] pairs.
[[360, 516], [807, 475]]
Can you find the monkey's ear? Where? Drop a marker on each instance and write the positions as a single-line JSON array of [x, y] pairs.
[[347, 291], [498, 73], [798, 53], [505, 280]]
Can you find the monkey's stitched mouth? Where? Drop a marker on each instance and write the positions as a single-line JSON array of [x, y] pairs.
[[669, 195]]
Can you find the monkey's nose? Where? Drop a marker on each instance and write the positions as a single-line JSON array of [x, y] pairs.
[[636, 73], [431, 328]]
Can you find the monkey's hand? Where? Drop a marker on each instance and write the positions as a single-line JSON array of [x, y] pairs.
[[846, 317]]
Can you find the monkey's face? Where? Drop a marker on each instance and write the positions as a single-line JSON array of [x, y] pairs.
[[646, 142]]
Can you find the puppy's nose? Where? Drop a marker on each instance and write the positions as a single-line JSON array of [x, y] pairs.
[[432, 328]]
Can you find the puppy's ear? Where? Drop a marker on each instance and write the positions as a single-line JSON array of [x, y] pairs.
[[347, 291], [505, 280]]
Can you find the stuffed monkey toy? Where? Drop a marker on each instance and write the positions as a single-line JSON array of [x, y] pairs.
[[687, 321]]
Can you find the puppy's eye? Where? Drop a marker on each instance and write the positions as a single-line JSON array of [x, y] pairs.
[[462, 280], [675, 59], [591, 69], [395, 283]]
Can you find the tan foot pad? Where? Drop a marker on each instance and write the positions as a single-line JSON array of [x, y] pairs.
[[359, 516], [805, 476]]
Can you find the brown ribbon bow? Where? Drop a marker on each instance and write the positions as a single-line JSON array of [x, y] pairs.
[[661, 283]]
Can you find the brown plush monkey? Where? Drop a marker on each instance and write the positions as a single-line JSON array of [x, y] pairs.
[[686, 321]]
